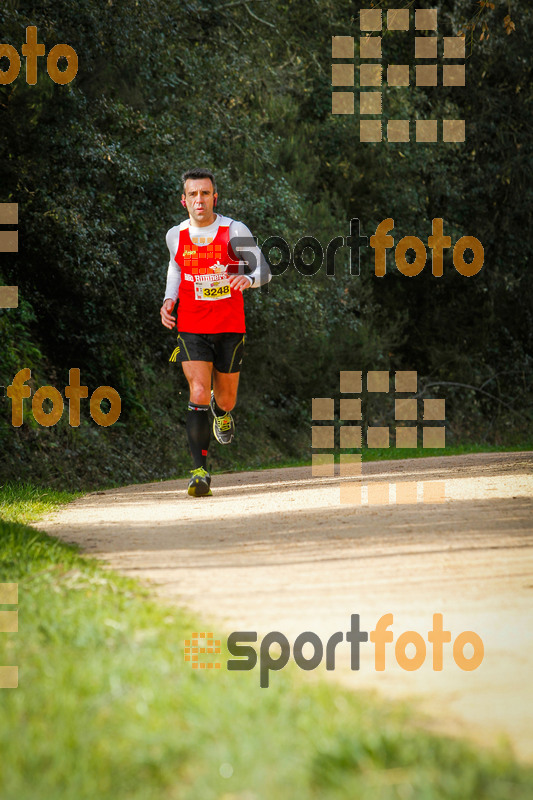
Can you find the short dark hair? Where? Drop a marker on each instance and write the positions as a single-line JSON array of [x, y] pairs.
[[196, 173]]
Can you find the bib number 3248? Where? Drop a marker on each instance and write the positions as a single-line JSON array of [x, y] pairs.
[[216, 291]]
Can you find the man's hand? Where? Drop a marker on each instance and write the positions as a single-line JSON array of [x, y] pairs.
[[166, 313], [239, 282]]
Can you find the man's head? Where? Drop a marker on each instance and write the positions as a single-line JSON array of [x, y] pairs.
[[199, 195]]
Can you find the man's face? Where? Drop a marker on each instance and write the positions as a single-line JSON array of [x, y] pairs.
[[199, 198]]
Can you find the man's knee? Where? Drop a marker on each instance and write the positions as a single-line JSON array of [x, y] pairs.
[[200, 392], [226, 400]]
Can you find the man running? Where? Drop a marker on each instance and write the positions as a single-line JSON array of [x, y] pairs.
[[213, 259]]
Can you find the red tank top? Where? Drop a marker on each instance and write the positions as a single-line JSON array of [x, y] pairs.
[[207, 304]]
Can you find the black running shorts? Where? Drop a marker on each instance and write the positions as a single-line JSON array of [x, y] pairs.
[[224, 350]]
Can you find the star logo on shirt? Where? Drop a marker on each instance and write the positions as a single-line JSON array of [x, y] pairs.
[[218, 268]]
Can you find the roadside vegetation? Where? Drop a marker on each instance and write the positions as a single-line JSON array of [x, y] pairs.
[[107, 707]]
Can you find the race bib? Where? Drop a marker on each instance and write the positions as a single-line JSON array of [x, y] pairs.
[[212, 289]]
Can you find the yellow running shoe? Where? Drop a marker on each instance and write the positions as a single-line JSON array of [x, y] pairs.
[[200, 483], [223, 427]]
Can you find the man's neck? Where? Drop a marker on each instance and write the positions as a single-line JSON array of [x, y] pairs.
[[194, 224]]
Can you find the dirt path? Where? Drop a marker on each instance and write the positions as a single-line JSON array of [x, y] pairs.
[[275, 550]]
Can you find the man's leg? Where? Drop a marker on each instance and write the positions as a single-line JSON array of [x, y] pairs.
[[198, 374], [226, 371], [225, 385], [223, 400]]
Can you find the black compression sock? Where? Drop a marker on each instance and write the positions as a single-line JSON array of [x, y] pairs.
[[198, 433]]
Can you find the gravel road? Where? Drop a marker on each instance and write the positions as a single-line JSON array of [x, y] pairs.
[[277, 551]]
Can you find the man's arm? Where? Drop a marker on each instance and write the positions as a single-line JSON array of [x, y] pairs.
[[173, 281], [245, 249]]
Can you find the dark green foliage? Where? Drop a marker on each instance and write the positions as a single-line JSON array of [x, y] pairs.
[[246, 90]]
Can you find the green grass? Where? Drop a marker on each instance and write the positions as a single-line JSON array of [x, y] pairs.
[[388, 454], [23, 502], [107, 708], [384, 454], [373, 454]]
